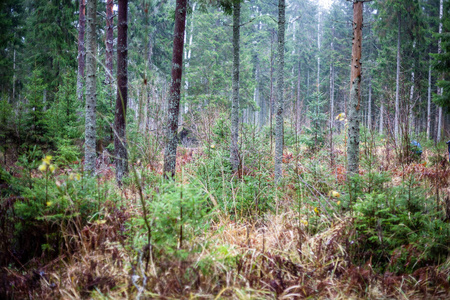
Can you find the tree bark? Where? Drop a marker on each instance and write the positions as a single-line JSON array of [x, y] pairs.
[[81, 49], [381, 116], [298, 105], [429, 102], [355, 92], [411, 93], [187, 57], [120, 143], [91, 87], [397, 84], [170, 152], [369, 106], [234, 150], [279, 135], [258, 99], [318, 55], [109, 42], [439, 90], [331, 95]]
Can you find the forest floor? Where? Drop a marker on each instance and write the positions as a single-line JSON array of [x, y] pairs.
[[309, 242]]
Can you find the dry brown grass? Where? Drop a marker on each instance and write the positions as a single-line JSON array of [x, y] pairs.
[[273, 257]]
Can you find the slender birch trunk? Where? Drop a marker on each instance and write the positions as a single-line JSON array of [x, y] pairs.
[[440, 90], [173, 109], [279, 135], [381, 116], [14, 78], [91, 87], [355, 92], [369, 105], [81, 49], [258, 99], [397, 84], [120, 142], [234, 150], [331, 96], [411, 94], [429, 102], [271, 100], [298, 106], [318, 55], [187, 57]]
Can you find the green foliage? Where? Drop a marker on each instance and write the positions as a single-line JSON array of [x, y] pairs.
[[48, 202], [246, 193], [315, 137], [6, 113], [35, 124], [176, 215], [442, 61], [222, 131], [398, 229], [64, 115]]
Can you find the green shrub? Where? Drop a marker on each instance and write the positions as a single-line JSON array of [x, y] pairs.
[[398, 229], [47, 201], [173, 217]]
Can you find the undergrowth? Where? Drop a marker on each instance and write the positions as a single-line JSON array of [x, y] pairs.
[[215, 233]]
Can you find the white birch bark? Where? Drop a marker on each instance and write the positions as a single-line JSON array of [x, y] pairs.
[[187, 58]]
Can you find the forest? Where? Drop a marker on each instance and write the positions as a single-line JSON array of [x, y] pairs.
[[224, 149]]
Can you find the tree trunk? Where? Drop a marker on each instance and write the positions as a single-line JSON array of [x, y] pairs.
[[397, 85], [271, 100], [258, 99], [120, 142], [279, 135], [14, 79], [381, 116], [298, 105], [429, 102], [109, 44], [331, 96], [318, 55], [234, 150], [187, 57], [170, 152], [369, 106], [411, 93], [355, 92], [440, 90], [91, 87], [81, 50]]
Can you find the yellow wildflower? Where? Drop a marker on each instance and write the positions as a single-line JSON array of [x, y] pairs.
[[47, 159], [74, 176], [42, 167], [340, 117], [334, 194], [52, 168], [49, 203], [212, 146], [338, 203], [305, 222], [316, 210]]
